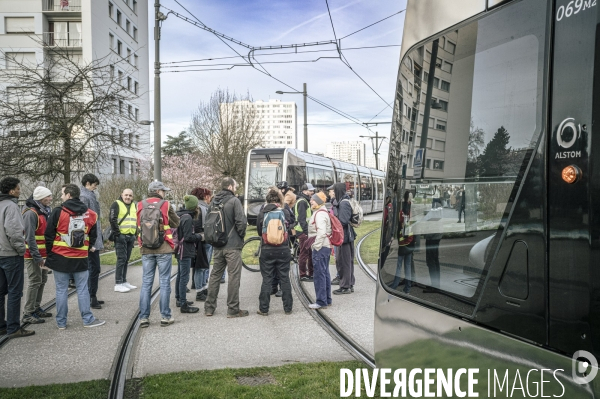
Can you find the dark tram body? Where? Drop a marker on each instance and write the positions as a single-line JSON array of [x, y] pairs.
[[267, 166], [505, 116]]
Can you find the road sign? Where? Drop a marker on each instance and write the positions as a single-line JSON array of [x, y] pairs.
[[418, 164]]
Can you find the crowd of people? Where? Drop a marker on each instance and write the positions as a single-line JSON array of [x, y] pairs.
[[66, 241]]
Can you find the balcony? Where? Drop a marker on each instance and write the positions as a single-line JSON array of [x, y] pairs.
[[61, 6], [63, 39]]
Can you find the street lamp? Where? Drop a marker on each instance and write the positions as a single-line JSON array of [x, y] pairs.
[[158, 18], [145, 123], [305, 119]]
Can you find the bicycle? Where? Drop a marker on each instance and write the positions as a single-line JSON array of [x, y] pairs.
[[251, 253]]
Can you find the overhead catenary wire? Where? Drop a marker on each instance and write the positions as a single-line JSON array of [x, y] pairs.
[[374, 23]]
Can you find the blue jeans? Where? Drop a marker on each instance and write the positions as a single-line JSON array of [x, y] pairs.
[[209, 251], [12, 271], [183, 277], [201, 278], [62, 298], [149, 264], [407, 273], [322, 279]]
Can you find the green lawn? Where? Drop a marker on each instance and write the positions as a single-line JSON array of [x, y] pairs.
[[369, 250], [111, 259], [300, 380]]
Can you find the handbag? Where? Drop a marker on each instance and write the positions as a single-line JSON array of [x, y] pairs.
[[111, 235]]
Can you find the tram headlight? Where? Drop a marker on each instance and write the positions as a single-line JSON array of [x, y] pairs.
[[571, 174]]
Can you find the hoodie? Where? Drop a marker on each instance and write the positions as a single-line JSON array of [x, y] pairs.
[[12, 241], [235, 219], [90, 200], [344, 211], [30, 222], [59, 262]]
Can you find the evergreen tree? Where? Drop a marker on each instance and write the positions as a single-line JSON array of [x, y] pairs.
[[495, 155], [178, 145]]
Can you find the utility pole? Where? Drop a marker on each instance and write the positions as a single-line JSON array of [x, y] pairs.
[[376, 146], [305, 121], [158, 18]]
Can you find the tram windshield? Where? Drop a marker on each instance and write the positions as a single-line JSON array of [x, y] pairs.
[[265, 171]]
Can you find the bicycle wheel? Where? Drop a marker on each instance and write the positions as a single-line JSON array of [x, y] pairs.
[[250, 254]]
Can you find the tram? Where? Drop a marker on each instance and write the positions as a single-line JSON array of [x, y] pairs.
[[495, 105], [267, 166]]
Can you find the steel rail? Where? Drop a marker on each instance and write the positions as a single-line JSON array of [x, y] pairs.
[[368, 271], [329, 325]]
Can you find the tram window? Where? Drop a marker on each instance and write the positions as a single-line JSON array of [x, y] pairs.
[[311, 176], [493, 124], [296, 176], [263, 174]]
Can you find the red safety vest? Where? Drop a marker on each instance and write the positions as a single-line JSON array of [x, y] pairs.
[[39, 235], [164, 210], [60, 247]]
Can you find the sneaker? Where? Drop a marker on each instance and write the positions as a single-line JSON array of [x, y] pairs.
[[62, 327], [100, 302], [40, 313], [262, 313], [72, 284], [189, 309], [144, 323], [342, 291], [305, 278], [288, 313], [131, 287], [21, 332], [201, 296], [279, 294], [179, 303], [241, 313], [94, 303], [335, 281], [208, 314], [32, 319], [315, 306], [95, 323], [121, 288], [166, 322], [351, 288]]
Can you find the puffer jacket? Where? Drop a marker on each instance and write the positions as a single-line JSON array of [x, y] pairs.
[[89, 199], [12, 240], [235, 219], [319, 226], [185, 232]]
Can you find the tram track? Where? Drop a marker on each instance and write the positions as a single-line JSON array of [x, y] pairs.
[[52, 303], [338, 334], [121, 363], [368, 271]]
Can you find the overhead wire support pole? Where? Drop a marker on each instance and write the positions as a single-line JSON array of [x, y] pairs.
[[157, 122]]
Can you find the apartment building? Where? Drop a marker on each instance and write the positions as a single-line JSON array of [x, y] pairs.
[[116, 30], [347, 151]]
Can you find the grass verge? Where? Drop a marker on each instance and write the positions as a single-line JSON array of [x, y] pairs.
[[111, 259], [79, 390]]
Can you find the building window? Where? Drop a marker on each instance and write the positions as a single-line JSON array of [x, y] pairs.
[[19, 25], [450, 47], [127, 26], [444, 105], [113, 131], [129, 111], [119, 47], [129, 84], [436, 82], [119, 17], [135, 6], [121, 78], [130, 168], [131, 139], [440, 145], [110, 9], [112, 71], [129, 55], [137, 140], [135, 33], [447, 67], [445, 86], [111, 41], [114, 166], [121, 136], [136, 87], [427, 163], [122, 167], [135, 60], [438, 165], [137, 114], [120, 109], [440, 125], [16, 60]]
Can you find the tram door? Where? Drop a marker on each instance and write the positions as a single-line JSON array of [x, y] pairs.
[[573, 221]]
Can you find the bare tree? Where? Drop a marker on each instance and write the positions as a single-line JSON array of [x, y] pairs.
[[64, 115], [225, 128]]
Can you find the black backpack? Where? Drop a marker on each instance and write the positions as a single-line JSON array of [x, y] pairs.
[[215, 232]]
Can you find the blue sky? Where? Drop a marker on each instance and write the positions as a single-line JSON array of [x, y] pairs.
[[264, 23]]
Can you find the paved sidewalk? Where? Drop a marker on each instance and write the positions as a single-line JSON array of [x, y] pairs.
[[197, 342], [77, 353]]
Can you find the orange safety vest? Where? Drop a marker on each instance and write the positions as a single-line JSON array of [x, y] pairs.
[[164, 210], [62, 248], [39, 235]]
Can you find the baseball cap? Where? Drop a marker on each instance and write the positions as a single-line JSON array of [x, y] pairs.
[[157, 185], [307, 186]]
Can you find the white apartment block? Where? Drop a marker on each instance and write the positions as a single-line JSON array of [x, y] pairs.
[[92, 29], [347, 151], [277, 121]]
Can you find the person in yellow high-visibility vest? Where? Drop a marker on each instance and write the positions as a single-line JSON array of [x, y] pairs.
[[123, 223]]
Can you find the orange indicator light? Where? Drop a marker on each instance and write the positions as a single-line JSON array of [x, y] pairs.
[[571, 174]]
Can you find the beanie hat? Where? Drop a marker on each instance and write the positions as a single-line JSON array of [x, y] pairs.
[[41, 193], [319, 198], [191, 202]]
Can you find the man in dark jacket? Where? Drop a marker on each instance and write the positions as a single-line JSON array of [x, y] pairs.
[[123, 224], [68, 259], [89, 184], [344, 258], [303, 214], [187, 251], [12, 249], [228, 256]]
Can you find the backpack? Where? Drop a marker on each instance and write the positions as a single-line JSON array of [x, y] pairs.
[[215, 232], [75, 237], [152, 231], [357, 212], [337, 231], [274, 231]]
